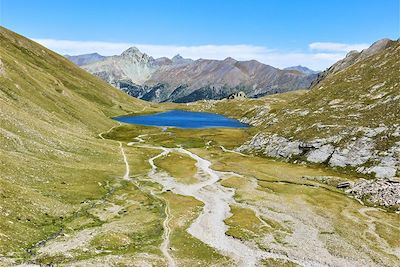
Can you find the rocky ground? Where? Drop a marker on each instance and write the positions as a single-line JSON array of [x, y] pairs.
[[384, 192]]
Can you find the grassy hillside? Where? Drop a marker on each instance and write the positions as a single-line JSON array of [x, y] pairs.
[[353, 115], [52, 162], [366, 94]]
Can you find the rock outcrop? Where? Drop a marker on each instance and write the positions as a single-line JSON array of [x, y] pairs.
[[360, 154]]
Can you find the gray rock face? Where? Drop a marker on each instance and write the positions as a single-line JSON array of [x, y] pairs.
[[354, 154], [280, 147], [273, 146], [382, 171], [388, 164], [184, 80], [131, 66], [321, 154]]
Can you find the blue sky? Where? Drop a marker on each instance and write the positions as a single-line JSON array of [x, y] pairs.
[[279, 33]]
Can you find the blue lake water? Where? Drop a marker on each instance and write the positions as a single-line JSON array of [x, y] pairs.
[[183, 119]]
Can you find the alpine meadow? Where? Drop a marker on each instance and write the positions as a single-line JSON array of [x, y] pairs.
[[200, 133]]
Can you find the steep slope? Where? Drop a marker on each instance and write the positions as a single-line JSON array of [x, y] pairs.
[[350, 119], [184, 80], [85, 59], [52, 163]]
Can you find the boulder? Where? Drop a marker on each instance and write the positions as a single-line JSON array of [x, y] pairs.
[[343, 184], [320, 154], [353, 154]]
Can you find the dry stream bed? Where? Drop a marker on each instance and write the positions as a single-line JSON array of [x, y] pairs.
[[185, 198]]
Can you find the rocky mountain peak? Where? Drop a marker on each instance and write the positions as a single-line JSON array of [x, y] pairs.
[[134, 52], [376, 47], [230, 60], [177, 58]]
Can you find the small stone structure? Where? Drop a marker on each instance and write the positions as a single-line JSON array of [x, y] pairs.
[[237, 95]]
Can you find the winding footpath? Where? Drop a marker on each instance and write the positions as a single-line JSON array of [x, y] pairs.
[[166, 236], [127, 168], [167, 230]]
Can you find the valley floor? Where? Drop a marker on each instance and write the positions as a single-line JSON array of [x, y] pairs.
[[187, 199]]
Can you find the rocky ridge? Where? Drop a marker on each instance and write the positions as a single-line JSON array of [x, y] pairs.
[[353, 57]]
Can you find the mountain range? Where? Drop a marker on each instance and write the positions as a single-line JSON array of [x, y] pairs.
[[185, 80]]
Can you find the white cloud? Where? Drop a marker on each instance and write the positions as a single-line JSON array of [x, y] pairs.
[[321, 56], [315, 61], [336, 47], [83, 47]]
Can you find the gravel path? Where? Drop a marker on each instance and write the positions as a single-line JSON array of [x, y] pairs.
[[209, 227]]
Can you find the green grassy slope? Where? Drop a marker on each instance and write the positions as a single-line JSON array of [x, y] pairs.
[[365, 94], [353, 110], [51, 159]]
